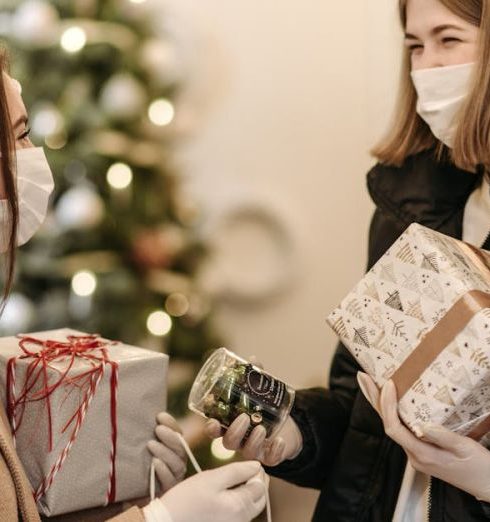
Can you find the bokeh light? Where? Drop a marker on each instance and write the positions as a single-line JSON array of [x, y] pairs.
[[47, 121], [119, 176], [56, 141], [84, 283], [161, 112], [159, 323], [219, 451], [73, 39], [177, 304]]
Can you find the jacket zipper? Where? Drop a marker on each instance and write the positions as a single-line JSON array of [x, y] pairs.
[[429, 500]]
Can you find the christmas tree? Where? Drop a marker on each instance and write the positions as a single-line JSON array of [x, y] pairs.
[[119, 251]]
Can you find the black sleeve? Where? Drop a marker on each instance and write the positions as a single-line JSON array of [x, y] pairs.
[[486, 509], [384, 230], [323, 414]]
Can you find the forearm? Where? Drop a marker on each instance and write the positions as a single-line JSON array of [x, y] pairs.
[[322, 420], [322, 416], [112, 512]]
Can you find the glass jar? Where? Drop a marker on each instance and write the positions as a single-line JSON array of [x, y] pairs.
[[227, 386]]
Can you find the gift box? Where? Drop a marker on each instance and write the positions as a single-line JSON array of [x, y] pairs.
[[421, 316], [82, 410]]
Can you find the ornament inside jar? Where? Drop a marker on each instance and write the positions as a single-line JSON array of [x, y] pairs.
[[227, 386]]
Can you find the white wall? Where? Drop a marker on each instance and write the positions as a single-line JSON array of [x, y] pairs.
[[289, 96]]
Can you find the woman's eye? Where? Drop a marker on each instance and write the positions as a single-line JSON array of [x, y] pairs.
[[25, 134], [449, 40], [415, 47]]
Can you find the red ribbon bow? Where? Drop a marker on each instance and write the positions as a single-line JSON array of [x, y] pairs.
[[40, 354]]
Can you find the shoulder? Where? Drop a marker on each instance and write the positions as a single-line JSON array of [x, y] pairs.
[[390, 180], [424, 189]]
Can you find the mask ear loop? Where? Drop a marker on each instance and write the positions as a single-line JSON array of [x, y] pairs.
[[198, 469]]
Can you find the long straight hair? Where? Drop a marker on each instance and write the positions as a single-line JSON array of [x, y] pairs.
[[7, 163], [409, 134]]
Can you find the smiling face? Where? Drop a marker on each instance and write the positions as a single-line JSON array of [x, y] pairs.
[[442, 33], [437, 37]]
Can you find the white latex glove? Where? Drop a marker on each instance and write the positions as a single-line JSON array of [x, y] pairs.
[[233, 493], [287, 444], [457, 460], [170, 458]]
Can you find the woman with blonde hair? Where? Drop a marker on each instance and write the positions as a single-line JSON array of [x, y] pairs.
[[347, 440], [234, 493]]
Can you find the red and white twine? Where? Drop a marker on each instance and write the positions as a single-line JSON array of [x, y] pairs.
[[91, 349]]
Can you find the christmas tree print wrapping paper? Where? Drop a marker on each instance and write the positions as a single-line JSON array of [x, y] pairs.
[[421, 316], [82, 481]]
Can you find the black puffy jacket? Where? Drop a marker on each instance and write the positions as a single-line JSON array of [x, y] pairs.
[[346, 453]]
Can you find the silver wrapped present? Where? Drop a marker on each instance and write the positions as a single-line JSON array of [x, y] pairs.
[[82, 410]]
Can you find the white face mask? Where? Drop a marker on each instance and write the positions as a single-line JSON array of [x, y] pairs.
[[34, 186], [441, 93]]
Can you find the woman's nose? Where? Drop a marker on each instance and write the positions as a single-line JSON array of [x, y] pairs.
[[25, 144], [430, 58]]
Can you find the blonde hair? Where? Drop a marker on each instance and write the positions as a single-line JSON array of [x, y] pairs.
[[409, 134]]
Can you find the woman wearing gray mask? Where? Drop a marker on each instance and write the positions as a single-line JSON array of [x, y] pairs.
[[234, 493], [347, 440]]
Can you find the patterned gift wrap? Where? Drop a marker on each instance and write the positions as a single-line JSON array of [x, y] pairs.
[[82, 410], [421, 316]]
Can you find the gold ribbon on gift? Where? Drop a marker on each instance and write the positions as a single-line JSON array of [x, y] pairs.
[[445, 331]]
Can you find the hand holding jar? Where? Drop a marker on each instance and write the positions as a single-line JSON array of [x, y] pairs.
[[248, 407]]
